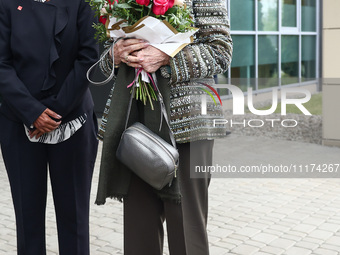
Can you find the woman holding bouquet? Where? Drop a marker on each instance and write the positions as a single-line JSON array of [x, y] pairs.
[[47, 124], [183, 205]]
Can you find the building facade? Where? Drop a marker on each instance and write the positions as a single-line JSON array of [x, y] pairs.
[[330, 70], [276, 43], [288, 43]]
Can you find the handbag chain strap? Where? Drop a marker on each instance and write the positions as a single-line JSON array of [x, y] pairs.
[[163, 111], [100, 83], [112, 74]]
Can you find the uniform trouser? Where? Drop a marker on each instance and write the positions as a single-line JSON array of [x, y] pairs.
[[70, 165], [145, 212]]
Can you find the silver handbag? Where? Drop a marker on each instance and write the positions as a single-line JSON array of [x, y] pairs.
[[146, 154]]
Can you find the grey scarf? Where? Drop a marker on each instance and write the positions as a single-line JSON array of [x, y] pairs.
[[114, 177]]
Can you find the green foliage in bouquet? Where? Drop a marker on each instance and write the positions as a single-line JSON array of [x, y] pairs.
[[100, 34], [131, 11]]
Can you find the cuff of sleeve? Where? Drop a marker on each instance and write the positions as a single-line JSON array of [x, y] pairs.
[[34, 115], [179, 69], [106, 64]]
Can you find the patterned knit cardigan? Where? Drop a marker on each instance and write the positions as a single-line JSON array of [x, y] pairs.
[[208, 55]]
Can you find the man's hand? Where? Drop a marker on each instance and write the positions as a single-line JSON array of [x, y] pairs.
[[44, 123]]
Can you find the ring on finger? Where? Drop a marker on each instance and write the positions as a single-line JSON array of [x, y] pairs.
[[127, 58]]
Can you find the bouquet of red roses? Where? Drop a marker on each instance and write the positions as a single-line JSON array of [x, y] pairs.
[[165, 24], [131, 11]]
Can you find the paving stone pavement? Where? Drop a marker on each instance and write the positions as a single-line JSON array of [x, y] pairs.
[[293, 216]]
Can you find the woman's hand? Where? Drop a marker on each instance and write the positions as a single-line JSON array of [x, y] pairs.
[[152, 58], [44, 123], [123, 50]]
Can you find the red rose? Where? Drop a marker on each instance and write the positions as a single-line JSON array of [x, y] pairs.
[[161, 6], [103, 12], [143, 2], [102, 19], [110, 2]]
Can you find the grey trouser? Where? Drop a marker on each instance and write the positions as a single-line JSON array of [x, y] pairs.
[[145, 212]]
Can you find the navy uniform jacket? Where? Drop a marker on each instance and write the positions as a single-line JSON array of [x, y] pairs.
[[45, 51]]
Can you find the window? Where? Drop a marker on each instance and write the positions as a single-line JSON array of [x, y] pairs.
[[268, 61], [267, 15], [243, 68], [242, 9], [289, 59], [275, 43], [308, 58], [289, 13], [308, 15]]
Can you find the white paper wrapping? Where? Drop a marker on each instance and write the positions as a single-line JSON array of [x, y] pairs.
[[160, 34]]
